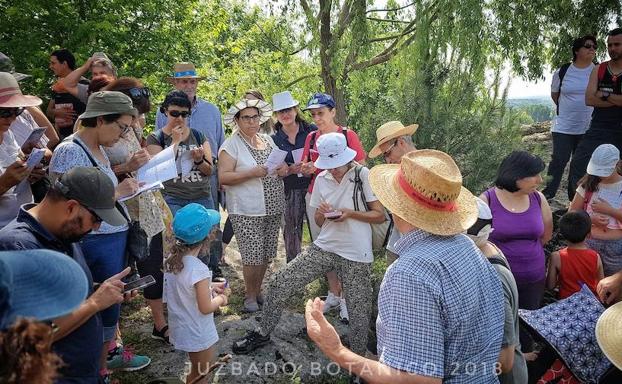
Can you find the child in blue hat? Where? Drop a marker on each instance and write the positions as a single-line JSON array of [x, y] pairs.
[[190, 295]]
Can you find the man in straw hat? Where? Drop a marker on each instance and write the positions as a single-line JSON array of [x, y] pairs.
[[440, 307], [393, 141], [205, 118]]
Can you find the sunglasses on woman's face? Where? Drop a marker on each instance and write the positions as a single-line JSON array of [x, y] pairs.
[[137, 93], [183, 114], [9, 112], [589, 46]]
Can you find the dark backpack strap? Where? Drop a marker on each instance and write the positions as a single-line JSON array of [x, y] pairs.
[[562, 73], [498, 261], [358, 189], [345, 134], [88, 154], [197, 136], [160, 136]]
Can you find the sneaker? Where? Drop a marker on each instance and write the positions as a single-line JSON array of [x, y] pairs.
[[260, 299], [161, 334], [124, 359], [331, 302], [217, 275], [250, 342], [250, 306], [343, 312]]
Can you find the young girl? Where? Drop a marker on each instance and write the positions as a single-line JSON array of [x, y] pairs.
[[190, 295], [599, 193]]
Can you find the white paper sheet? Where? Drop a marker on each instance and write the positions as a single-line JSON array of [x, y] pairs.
[[297, 155], [35, 157], [275, 160], [160, 168], [144, 188], [186, 162]]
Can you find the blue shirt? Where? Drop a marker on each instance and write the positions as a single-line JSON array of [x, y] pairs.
[[81, 348], [440, 310], [281, 140], [205, 118]]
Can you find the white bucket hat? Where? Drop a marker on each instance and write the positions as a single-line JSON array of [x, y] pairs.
[[283, 100], [333, 151], [603, 161]]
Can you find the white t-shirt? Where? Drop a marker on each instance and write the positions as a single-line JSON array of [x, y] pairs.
[[574, 116], [190, 330], [20, 194], [350, 239], [612, 194]]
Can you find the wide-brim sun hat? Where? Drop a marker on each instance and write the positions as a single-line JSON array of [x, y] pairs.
[[283, 100], [333, 151], [11, 95], [265, 110], [609, 334], [6, 65], [184, 71], [426, 190], [389, 131], [603, 160], [39, 284], [108, 103]]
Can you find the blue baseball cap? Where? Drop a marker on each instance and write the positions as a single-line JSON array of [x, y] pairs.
[[39, 284], [319, 100], [194, 222]]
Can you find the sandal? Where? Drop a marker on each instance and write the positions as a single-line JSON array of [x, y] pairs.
[[161, 334]]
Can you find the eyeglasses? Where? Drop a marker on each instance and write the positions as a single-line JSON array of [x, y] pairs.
[[137, 93], [9, 112], [124, 128], [95, 217], [386, 153], [248, 119], [183, 114], [589, 46]]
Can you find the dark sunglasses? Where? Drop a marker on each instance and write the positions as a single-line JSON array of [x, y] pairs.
[[9, 112], [96, 218], [137, 93], [183, 114], [589, 46]]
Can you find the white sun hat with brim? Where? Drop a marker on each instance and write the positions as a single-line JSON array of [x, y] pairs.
[[609, 334], [283, 100], [333, 151], [11, 95], [426, 190], [265, 110]]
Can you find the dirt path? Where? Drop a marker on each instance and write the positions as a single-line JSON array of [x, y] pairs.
[[290, 358]]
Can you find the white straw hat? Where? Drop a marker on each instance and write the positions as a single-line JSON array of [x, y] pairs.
[[389, 131], [333, 151], [265, 110]]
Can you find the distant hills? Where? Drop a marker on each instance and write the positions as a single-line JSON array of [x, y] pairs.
[[525, 101]]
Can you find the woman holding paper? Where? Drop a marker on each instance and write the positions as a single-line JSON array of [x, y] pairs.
[[107, 117], [291, 130], [255, 197]]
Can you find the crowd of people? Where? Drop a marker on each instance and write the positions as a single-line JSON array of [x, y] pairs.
[[79, 233]]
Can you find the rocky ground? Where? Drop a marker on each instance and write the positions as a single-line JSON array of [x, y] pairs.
[[291, 357]]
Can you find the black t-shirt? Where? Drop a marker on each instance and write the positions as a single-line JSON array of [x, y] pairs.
[[609, 115], [68, 101]]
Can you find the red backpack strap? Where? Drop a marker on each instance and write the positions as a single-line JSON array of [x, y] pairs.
[[587, 198], [602, 68], [311, 144]]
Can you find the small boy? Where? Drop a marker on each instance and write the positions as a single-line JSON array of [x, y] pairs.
[[576, 264]]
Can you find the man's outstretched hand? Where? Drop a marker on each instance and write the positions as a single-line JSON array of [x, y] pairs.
[[320, 330]]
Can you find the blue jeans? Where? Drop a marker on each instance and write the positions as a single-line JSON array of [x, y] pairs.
[[213, 259], [105, 256]]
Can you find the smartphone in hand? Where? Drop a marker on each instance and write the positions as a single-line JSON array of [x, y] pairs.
[[141, 283]]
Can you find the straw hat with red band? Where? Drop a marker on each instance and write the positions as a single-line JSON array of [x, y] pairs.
[[11, 96], [426, 190], [609, 333]]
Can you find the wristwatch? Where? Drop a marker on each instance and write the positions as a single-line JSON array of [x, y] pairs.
[[605, 95]]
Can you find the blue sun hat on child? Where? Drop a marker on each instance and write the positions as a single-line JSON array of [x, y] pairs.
[[194, 222]]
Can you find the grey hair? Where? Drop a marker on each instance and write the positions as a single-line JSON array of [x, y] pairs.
[[408, 139]]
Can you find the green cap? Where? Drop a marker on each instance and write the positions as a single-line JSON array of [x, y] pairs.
[[108, 103], [93, 189]]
